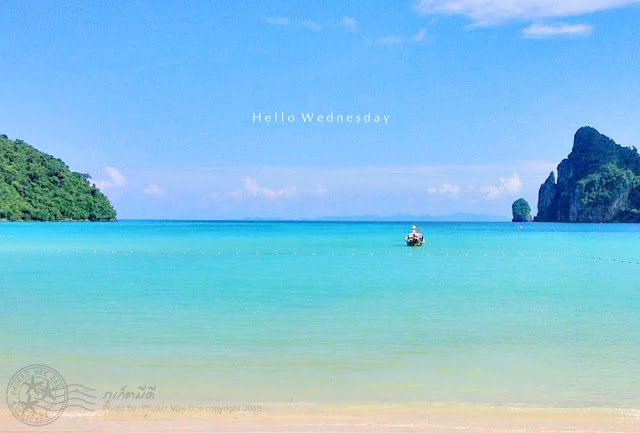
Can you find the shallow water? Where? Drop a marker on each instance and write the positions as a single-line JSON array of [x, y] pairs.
[[288, 311]]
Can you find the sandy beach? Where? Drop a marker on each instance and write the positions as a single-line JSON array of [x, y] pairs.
[[437, 418]]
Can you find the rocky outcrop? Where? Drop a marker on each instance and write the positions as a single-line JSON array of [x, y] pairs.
[[548, 200], [521, 211], [598, 182]]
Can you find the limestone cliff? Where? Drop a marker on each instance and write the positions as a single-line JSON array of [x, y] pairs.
[[598, 182]]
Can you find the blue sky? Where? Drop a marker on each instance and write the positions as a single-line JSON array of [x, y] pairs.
[[155, 100]]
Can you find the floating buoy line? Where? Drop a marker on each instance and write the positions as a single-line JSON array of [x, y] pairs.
[[256, 253], [611, 259], [400, 252]]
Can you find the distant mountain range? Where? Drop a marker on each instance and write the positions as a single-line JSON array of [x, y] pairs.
[[456, 217]]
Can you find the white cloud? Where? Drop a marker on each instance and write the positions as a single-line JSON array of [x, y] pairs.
[[117, 177], [103, 185], [390, 40], [153, 190], [560, 29], [488, 12], [252, 188], [319, 190], [445, 189], [312, 25], [508, 186], [399, 40], [420, 35], [116, 180], [277, 21], [350, 24], [284, 21], [296, 191]]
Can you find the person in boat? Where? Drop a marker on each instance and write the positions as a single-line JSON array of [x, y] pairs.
[[414, 234]]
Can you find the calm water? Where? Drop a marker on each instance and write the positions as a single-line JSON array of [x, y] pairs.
[[316, 312]]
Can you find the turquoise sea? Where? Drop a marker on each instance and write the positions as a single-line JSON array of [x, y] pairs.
[[224, 312]]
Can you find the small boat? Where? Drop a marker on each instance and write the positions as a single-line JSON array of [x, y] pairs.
[[414, 241]]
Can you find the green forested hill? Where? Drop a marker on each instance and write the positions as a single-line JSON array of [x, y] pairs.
[[598, 182], [37, 186]]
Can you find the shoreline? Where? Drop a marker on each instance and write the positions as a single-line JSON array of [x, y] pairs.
[[315, 417]]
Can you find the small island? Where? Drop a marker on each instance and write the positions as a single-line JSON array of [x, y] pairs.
[[598, 182], [35, 186], [521, 211]]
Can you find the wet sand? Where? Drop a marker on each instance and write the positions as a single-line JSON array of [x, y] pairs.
[[438, 418]]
